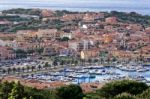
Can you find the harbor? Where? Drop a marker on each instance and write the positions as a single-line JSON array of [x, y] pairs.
[[94, 74]]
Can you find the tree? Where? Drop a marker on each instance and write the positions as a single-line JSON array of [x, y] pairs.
[[6, 89], [145, 94], [3, 71], [76, 62], [28, 68], [90, 61], [39, 67], [62, 62], [20, 53], [8, 70], [32, 68], [46, 65], [93, 96], [69, 92], [125, 96], [40, 50], [23, 69], [30, 51], [117, 87], [65, 39], [18, 69], [14, 69], [55, 63], [17, 92]]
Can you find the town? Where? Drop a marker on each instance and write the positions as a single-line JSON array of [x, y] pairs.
[[45, 48]]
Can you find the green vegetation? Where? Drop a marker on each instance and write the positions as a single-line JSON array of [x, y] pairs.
[[20, 53], [115, 88], [125, 96], [131, 17], [63, 12], [63, 60], [17, 91], [125, 89], [25, 23], [69, 92], [65, 39], [13, 18], [145, 94], [23, 11]]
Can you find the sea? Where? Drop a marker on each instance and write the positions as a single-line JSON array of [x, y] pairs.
[[97, 6]]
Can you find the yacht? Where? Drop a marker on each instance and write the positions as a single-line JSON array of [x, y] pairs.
[[142, 70], [82, 71]]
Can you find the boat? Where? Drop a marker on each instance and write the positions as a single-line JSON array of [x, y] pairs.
[[130, 69], [98, 72], [57, 74], [142, 70], [82, 71], [68, 70]]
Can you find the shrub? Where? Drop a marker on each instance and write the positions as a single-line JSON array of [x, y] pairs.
[[69, 92], [124, 96], [117, 87]]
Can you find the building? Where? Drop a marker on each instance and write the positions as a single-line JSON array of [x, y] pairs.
[[6, 53], [80, 45], [93, 16], [70, 17], [69, 35], [135, 27], [67, 52], [47, 33], [12, 44], [47, 13], [5, 22], [107, 38], [87, 54], [50, 51], [111, 20]]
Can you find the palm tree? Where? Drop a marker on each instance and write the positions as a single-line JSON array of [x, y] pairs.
[[89, 61], [76, 62], [18, 69], [39, 67], [61, 62], [14, 69], [8, 70], [32, 68], [23, 69], [3, 71], [55, 63], [46, 65], [28, 68]]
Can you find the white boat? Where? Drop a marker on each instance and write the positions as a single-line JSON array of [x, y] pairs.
[[142, 70], [69, 70], [82, 71]]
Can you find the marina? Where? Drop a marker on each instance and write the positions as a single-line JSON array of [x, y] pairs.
[[97, 74]]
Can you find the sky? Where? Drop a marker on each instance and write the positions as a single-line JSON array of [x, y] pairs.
[[128, 4], [125, 2]]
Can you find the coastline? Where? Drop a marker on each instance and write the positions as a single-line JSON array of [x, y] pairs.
[[144, 11]]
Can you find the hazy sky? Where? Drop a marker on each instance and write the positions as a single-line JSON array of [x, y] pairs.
[[139, 2], [124, 3]]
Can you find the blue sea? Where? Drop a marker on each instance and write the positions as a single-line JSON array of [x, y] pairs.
[[139, 6]]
